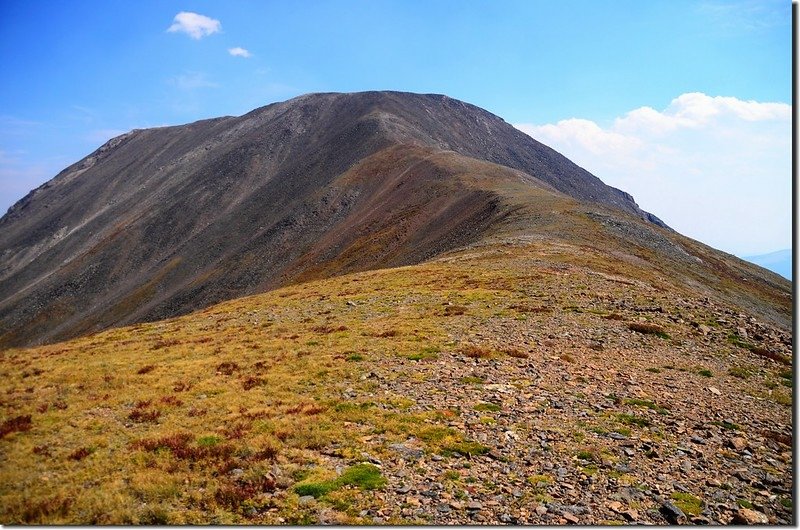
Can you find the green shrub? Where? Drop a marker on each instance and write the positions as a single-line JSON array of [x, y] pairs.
[[363, 476]]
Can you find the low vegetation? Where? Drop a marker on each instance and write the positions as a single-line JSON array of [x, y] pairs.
[[648, 329], [277, 408]]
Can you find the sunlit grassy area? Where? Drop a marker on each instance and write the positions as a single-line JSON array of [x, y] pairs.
[[235, 413], [150, 423]]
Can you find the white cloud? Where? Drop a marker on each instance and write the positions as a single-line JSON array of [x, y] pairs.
[[195, 25], [239, 52], [717, 169], [191, 81]]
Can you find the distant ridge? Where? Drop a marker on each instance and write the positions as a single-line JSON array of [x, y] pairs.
[[779, 262]]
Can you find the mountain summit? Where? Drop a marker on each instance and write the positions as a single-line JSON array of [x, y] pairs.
[[160, 222]]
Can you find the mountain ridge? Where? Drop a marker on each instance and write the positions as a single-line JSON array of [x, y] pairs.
[[159, 222]]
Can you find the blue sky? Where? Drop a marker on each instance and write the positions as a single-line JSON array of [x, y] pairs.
[[574, 74]]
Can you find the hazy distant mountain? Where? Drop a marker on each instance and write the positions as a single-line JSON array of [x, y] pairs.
[[779, 262], [163, 221]]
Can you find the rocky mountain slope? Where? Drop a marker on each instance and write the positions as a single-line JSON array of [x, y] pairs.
[[454, 324], [514, 381], [158, 222]]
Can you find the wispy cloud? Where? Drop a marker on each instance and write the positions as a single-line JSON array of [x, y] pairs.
[[195, 25], [18, 175], [746, 15], [191, 81], [715, 168], [239, 52], [10, 125]]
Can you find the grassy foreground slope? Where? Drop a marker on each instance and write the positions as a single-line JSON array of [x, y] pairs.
[[516, 381]]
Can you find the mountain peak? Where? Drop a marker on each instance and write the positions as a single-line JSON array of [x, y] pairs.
[[176, 218]]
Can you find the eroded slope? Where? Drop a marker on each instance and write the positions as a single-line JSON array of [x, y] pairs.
[[159, 222]]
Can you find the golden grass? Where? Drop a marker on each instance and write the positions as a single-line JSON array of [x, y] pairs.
[[216, 417]]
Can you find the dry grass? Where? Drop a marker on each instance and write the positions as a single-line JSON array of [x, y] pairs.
[[209, 393], [648, 329], [476, 352], [215, 417]]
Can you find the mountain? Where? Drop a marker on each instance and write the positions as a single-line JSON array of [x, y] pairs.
[[160, 222], [384, 308], [779, 262]]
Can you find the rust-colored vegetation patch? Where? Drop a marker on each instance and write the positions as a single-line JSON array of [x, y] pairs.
[[252, 382], [141, 413], [227, 368], [181, 445], [325, 329], [648, 329], [237, 492], [80, 453], [16, 424], [777, 357], [476, 352], [515, 352]]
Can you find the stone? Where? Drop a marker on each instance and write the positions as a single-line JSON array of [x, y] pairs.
[[406, 452], [738, 443], [306, 499], [714, 390], [474, 506], [672, 513], [631, 515], [571, 519], [746, 516]]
